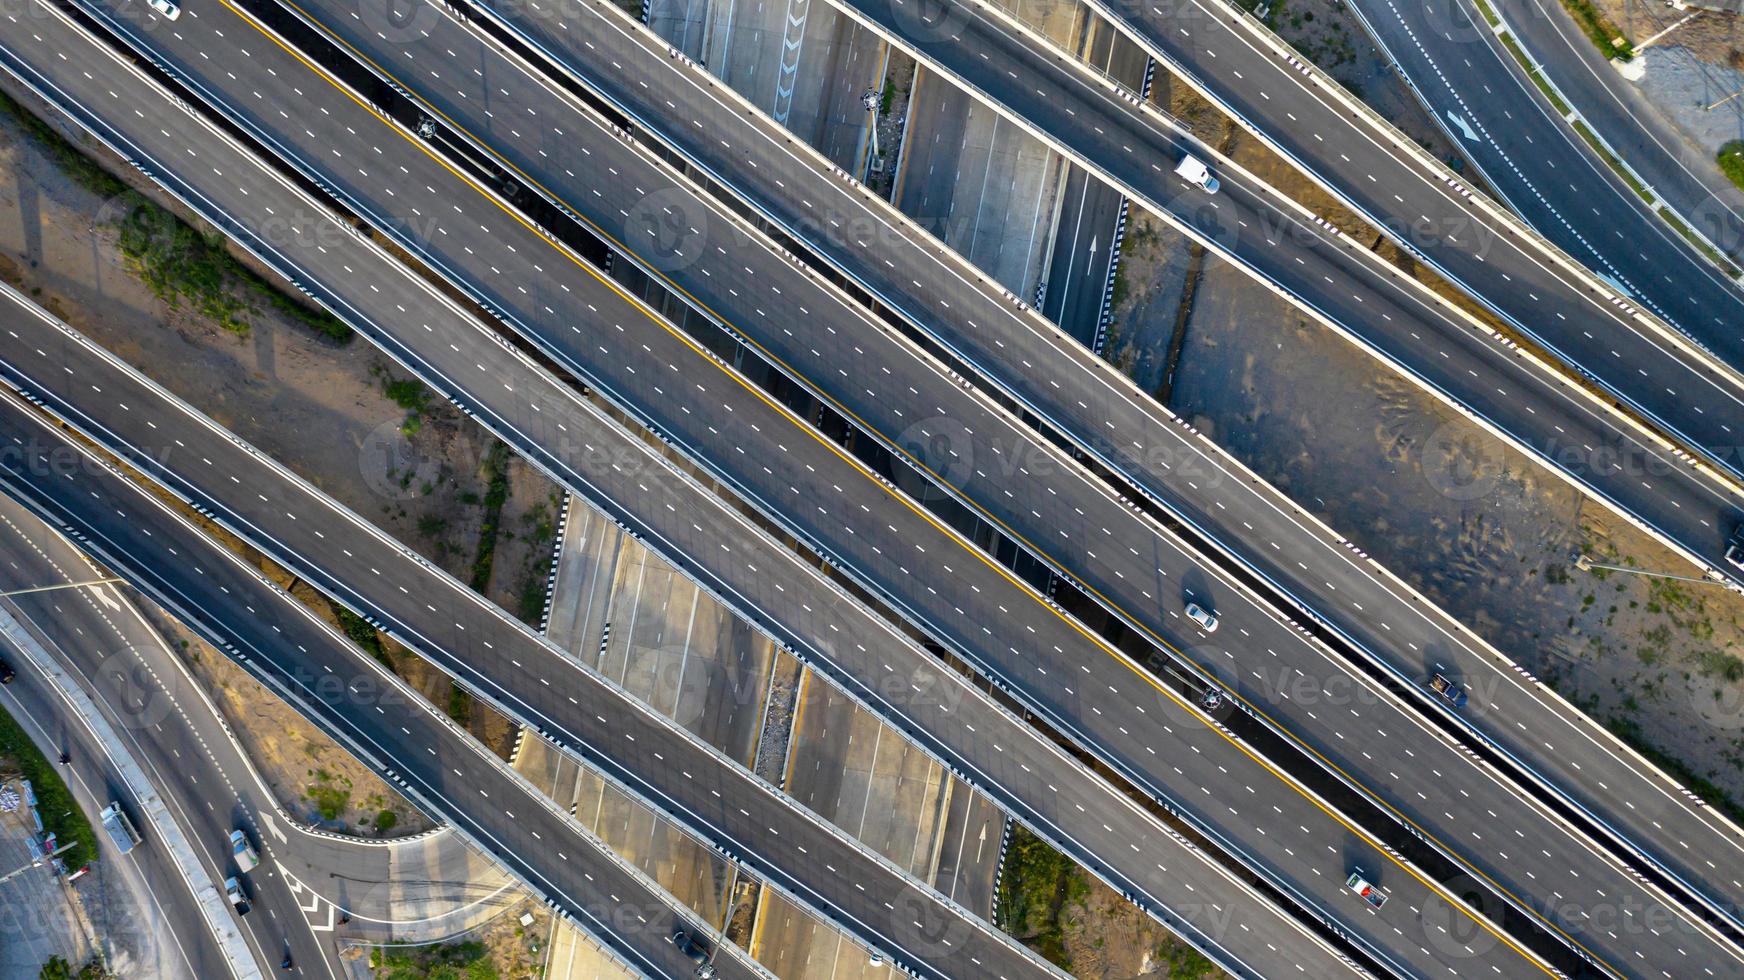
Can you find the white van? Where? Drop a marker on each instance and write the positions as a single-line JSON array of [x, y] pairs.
[[1195, 172]]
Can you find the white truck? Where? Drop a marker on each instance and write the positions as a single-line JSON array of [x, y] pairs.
[[1365, 889], [1194, 171], [120, 828]]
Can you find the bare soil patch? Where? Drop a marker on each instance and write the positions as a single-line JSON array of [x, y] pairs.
[[341, 415], [1484, 532], [1081, 925], [504, 948]]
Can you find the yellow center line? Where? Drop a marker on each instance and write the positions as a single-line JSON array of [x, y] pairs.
[[818, 437]]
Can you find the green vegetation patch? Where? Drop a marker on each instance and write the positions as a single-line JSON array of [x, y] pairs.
[[496, 473], [1036, 887], [1731, 161], [540, 530], [70, 160], [448, 961], [331, 795], [1599, 29], [410, 394], [459, 705], [176, 262], [60, 812], [59, 969], [362, 634], [1182, 962]]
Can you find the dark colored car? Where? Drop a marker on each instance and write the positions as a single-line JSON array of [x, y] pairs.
[[691, 947], [1451, 692]]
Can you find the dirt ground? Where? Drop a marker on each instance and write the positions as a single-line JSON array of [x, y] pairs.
[[422, 474], [504, 947], [1108, 938], [1068, 917], [1482, 531], [1495, 552], [1149, 288], [1330, 36], [1712, 36], [307, 772], [1159, 270], [892, 117]]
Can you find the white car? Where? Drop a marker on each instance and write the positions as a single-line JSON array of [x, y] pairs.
[[238, 899], [247, 858], [167, 9], [1199, 614]]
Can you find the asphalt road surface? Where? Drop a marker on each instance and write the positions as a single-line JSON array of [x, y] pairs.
[[737, 423], [1681, 174], [776, 581], [649, 756], [298, 656], [717, 287], [524, 400], [180, 945], [1556, 745], [1533, 288], [1579, 926], [105, 645], [1546, 172]]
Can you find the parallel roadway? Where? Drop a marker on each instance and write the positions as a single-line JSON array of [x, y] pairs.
[[615, 471]]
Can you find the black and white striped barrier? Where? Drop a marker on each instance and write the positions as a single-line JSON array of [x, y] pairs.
[[556, 559], [1106, 315], [999, 866]]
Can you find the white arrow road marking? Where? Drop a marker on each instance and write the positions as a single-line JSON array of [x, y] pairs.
[[1464, 127]]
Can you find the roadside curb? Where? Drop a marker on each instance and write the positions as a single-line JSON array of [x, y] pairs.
[[213, 907]]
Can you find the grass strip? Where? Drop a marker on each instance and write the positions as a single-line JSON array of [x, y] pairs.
[[496, 471], [60, 813], [1735, 161], [1731, 161], [1519, 54], [1036, 886], [1612, 162], [1698, 243], [469, 960], [1606, 36]]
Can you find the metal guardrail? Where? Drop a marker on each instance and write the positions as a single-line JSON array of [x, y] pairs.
[[1187, 929], [214, 909]]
